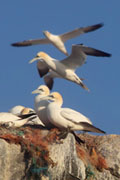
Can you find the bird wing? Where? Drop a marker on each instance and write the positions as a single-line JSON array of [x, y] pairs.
[[31, 42], [79, 53], [92, 51], [42, 68], [49, 78], [78, 118], [91, 128], [49, 81], [76, 58], [78, 31], [74, 116]]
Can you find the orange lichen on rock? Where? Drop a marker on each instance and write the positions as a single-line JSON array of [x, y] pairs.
[[97, 160], [32, 141], [89, 154], [11, 138], [82, 153], [52, 135]]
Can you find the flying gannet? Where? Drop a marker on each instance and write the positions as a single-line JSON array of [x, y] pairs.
[[66, 118], [41, 104], [59, 40], [65, 68]]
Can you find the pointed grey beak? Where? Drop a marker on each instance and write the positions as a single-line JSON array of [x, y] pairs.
[[34, 59], [36, 91]]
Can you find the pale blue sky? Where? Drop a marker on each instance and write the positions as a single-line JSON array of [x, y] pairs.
[[26, 19]]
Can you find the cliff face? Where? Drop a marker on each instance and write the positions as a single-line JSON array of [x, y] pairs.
[[27, 153]]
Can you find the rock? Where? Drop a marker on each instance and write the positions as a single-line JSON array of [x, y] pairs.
[[109, 147], [32, 154], [68, 165], [12, 163]]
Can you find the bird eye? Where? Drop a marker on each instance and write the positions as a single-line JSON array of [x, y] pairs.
[[31, 111], [51, 96], [41, 90]]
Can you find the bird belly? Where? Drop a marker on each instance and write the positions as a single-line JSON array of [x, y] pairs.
[[58, 43]]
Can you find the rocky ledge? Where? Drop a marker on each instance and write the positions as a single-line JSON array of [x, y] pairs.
[[34, 153]]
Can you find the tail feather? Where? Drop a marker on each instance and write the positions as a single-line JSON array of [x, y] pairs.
[[91, 128], [84, 86]]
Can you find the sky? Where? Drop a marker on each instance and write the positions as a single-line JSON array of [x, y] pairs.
[[26, 19]]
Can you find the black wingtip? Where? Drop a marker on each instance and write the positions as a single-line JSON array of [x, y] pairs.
[[100, 24], [92, 27], [105, 54], [13, 44], [109, 55], [20, 44]]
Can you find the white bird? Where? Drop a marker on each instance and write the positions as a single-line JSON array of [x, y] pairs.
[[59, 40], [16, 110], [41, 104], [22, 110], [65, 118], [65, 68], [10, 120], [34, 121]]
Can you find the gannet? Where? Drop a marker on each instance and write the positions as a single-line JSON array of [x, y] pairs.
[[65, 68], [66, 118], [16, 110], [41, 104], [10, 120], [59, 40], [34, 121]]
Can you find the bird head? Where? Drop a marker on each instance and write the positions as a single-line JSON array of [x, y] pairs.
[[42, 90], [55, 97], [27, 111], [46, 33], [40, 56]]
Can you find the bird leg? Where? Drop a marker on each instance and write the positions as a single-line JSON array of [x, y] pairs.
[[64, 133], [77, 138], [8, 124]]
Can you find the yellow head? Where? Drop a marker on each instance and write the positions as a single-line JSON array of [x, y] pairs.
[[42, 90], [46, 33], [56, 97], [40, 56], [26, 111]]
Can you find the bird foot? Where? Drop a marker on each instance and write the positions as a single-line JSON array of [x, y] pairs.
[[8, 124]]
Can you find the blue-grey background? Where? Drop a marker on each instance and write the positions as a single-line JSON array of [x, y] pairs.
[[26, 19]]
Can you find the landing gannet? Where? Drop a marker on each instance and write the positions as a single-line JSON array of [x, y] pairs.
[[41, 104], [65, 68], [65, 118], [59, 40]]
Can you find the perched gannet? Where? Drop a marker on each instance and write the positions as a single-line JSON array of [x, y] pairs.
[[16, 110], [10, 120], [65, 68], [59, 40], [65, 118], [33, 121], [41, 104]]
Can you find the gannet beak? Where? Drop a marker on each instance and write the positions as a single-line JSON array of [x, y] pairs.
[[34, 59], [49, 98], [36, 91]]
